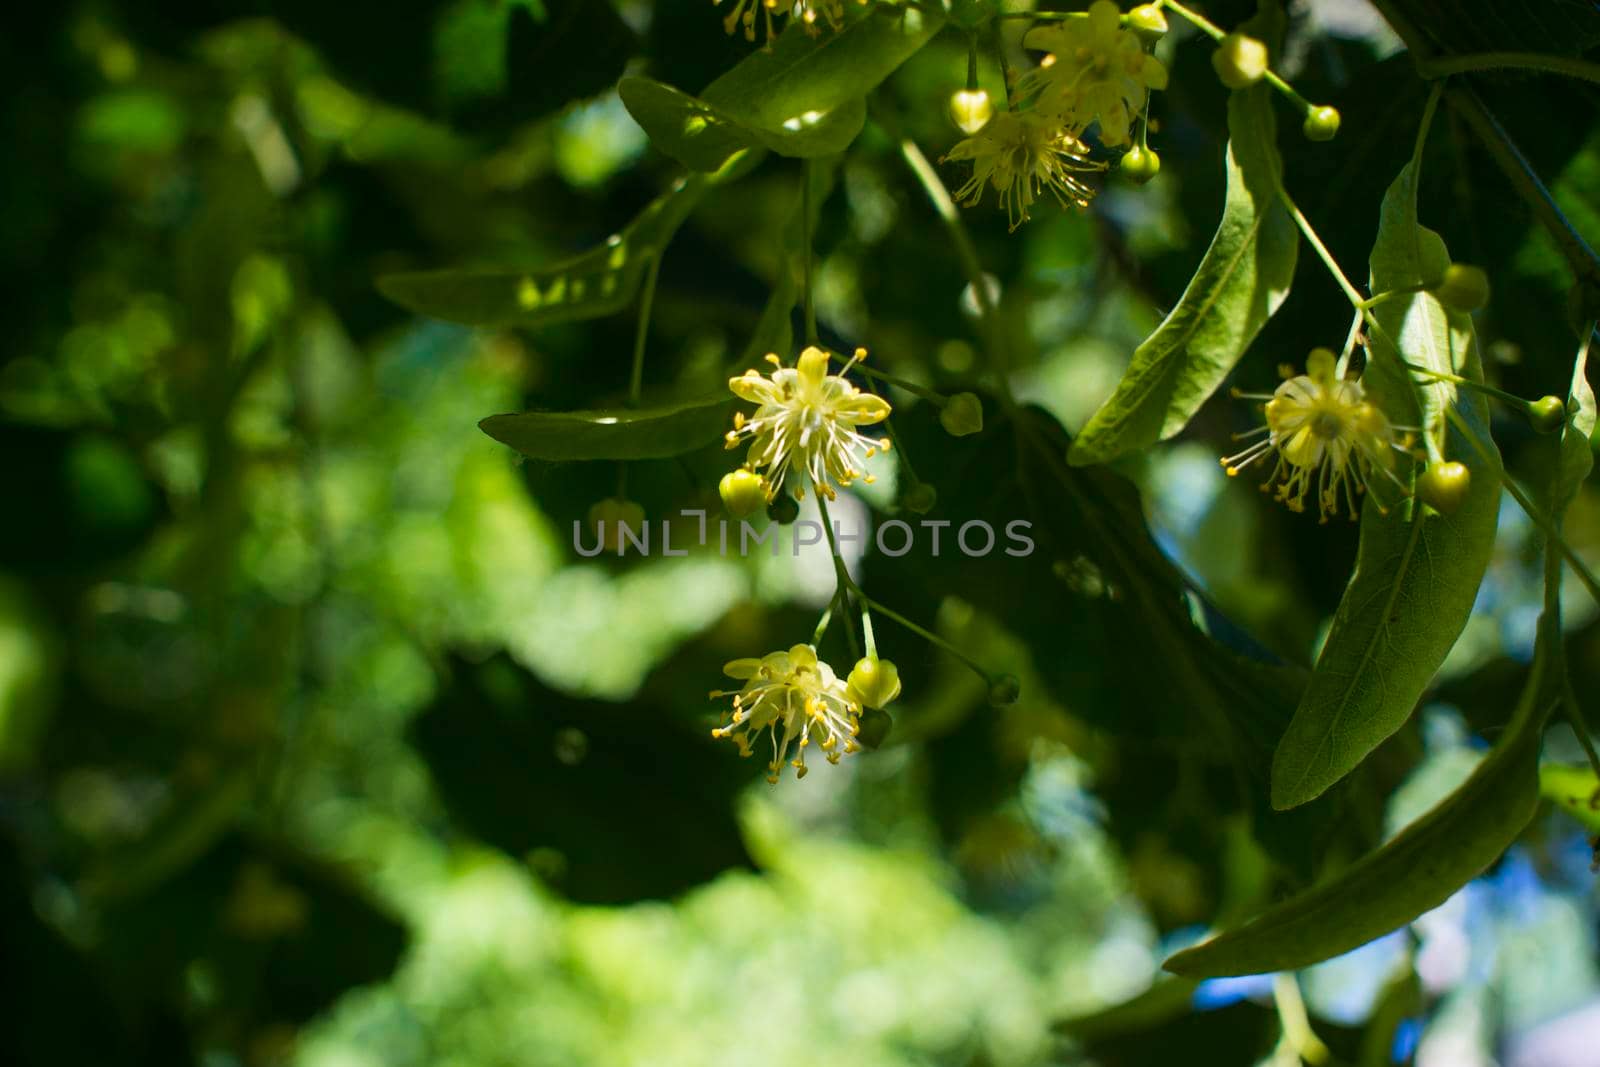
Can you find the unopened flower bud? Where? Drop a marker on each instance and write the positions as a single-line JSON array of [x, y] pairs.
[[961, 415], [1140, 164], [1463, 288], [874, 681], [970, 110], [1240, 61], [1444, 485], [1148, 21], [920, 498], [744, 492], [1548, 414], [1004, 690], [609, 516], [1322, 124]]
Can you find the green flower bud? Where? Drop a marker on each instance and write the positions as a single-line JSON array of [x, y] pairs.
[[609, 516], [1444, 485], [920, 498], [1548, 414], [1004, 690], [874, 728], [970, 110], [875, 682], [1147, 20], [1140, 164], [744, 492], [783, 509], [1322, 124], [1463, 288], [1240, 61], [961, 415]]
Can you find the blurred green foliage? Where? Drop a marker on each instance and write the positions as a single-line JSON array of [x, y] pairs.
[[320, 743]]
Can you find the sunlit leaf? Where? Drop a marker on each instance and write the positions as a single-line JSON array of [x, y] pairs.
[[1577, 447], [1243, 278], [1456, 840], [1410, 875], [1417, 574], [803, 78], [702, 137]]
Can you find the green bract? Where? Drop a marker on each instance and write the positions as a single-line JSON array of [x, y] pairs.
[[1416, 575], [1241, 281]]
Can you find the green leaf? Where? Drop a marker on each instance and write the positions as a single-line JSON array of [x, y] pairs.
[[805, 97], [648, 433], [1417, 573], [803, 79], [1242, 280], [667, 430], [1577, 450], [704, 138], [599, 282], [689, 130], [1167, 999], [1412, 874], [1495, 26]]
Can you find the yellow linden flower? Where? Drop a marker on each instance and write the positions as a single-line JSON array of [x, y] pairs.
[[1020, 152], [1328, 436], [807, 11], [1095, 70], [791, 695], [807, 418]]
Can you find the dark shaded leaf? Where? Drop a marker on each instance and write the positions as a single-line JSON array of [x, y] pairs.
[[628, 804], [599, 282], [649, 433], [1564, 27]]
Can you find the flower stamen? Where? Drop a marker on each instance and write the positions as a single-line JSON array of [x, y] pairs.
[[1329, 438]]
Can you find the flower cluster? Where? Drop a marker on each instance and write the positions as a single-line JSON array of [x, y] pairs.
[[807, 418], [806, 12], [1329, 438], [1095, 73], [790, 695]]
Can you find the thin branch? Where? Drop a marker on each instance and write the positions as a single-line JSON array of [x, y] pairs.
[[1444, 66], [1580, 256]]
